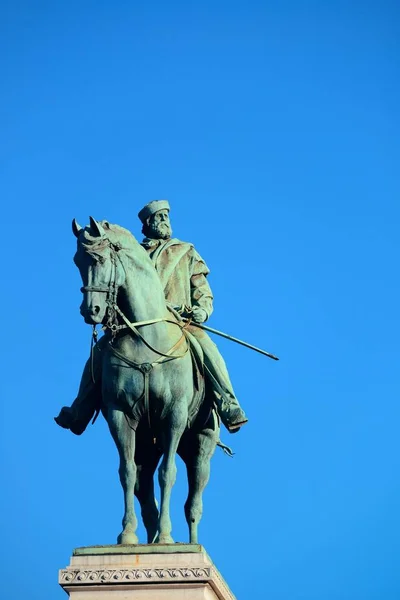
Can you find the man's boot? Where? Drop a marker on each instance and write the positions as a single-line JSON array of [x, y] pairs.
[[78, 416], [231, 413]]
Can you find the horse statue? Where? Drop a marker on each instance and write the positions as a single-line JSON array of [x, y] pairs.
[[154, 404]]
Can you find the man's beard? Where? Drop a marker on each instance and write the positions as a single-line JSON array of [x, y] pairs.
[[161, 231]]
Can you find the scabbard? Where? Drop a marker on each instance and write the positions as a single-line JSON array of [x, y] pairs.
[[234, 339]]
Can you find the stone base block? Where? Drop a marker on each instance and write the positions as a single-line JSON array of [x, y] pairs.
[[143, 572]]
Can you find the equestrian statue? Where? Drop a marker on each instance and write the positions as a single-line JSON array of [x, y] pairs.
[[155, 374]]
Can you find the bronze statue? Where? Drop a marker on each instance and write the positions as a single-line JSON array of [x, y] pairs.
[[158, 379]]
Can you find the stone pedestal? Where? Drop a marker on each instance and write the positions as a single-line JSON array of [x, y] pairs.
[[143, 572]]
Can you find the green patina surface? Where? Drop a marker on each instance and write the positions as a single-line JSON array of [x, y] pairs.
[[139, 549], [157, 402]]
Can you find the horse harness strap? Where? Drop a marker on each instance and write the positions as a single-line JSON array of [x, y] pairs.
[[133, 327], [146, 368]]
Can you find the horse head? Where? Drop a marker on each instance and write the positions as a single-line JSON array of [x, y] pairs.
[[100, 268]]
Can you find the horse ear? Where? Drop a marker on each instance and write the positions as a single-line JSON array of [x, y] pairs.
[[76, 228], [96, 228]]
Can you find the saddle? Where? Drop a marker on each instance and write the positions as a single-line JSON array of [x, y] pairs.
[[199, 381], [196, 353]]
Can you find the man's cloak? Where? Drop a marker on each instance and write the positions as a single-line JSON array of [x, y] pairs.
[[183, 273]]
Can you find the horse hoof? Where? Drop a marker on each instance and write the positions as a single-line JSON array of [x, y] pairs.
[[127, 537], [164, 539]]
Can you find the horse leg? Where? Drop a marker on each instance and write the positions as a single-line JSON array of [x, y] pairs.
[[198, 450], [167, 476], [144, 490], [124, 438]]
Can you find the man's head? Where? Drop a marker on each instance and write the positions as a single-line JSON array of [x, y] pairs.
[[155, 219]]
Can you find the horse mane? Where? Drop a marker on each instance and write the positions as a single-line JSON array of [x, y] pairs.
[[114, 235]]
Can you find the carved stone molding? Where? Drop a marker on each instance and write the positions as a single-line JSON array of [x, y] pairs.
[[99, 576]]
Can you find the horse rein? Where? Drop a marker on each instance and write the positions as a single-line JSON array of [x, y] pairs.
[[112, 324]]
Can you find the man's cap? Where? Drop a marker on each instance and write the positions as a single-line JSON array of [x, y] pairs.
[[153, 207]]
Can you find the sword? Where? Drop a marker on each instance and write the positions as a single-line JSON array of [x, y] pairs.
[[233, 339]]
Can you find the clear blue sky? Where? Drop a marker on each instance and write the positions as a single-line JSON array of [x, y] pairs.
[[273, 129]]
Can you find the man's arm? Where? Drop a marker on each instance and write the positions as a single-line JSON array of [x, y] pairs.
[[201, 294]]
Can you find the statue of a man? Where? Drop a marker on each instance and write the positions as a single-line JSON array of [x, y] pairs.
[[183, 274]]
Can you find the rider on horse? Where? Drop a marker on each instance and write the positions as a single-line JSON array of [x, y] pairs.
[[183, 274]]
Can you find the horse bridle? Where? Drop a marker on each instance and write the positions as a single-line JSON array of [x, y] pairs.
[[113, 309], [111, 290]]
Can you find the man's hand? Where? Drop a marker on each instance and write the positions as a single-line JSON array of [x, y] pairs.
[[199, 314]]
